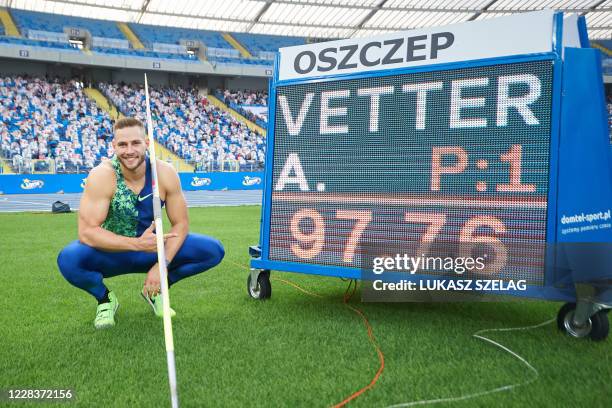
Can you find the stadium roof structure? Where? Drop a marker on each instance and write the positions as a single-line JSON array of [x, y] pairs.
[[315, 18]]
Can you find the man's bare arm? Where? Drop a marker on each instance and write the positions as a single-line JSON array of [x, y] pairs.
[[176, 209], [93, 211]]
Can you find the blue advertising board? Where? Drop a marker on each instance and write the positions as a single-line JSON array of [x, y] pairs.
[[75, 183]]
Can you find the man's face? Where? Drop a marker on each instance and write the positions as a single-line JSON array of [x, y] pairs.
[[130, 145]]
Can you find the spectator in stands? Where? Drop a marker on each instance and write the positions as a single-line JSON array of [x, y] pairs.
[[246, 97], [609, 105], [185, 122], [246, 103], [44, 119], [38, 114]]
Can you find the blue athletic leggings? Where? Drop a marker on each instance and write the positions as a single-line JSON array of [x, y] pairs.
[[85, 267]]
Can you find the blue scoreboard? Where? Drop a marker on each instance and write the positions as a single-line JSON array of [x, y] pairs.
[[489, 134]]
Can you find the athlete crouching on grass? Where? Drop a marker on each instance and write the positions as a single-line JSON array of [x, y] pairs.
[[116, 229]]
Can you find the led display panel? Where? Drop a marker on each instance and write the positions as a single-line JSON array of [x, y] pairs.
[[441, 159]]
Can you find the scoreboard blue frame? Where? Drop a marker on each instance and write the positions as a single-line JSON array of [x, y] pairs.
[[583, 63]]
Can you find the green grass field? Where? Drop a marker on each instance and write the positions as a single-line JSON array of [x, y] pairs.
[[293, 350]]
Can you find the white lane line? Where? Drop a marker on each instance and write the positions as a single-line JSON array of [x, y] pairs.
[[28, 202]]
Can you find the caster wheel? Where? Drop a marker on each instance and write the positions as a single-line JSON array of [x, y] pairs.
[[262, 288], [597, 326]]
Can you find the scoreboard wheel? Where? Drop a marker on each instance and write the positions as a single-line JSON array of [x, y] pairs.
[[601, 326], [259, 287], [597, 326]]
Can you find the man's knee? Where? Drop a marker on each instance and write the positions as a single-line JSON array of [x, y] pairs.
[[71, 257], [218, 252], [205, 249]]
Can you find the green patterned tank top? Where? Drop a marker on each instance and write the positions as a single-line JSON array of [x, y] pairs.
[[122, 218]]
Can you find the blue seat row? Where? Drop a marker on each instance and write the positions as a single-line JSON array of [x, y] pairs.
[[144, 53], [31, 20], [150, 34], [605, 43], [270, 43], [36, 43], [241, 61]]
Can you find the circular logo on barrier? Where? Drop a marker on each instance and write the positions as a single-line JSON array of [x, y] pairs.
[[28, 184], [251, 181], [200, 181]]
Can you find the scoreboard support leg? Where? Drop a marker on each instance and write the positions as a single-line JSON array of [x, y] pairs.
[[258, 281], [258, 284], [585, 319], [588, 317]]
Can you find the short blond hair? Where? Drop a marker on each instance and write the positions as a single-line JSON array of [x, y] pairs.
[[127, 122]]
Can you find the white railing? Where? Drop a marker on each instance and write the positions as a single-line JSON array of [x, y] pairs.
[[105, 42], [47, 36], [222, 52], [169, 48], [266, 55]]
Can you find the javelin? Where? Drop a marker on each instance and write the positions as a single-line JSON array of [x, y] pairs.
[[161, 257]]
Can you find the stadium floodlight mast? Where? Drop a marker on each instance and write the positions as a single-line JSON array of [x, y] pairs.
[[161, 256]]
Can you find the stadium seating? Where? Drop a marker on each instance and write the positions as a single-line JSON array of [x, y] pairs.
[[158, 39], [242, 102], [192, 128], [31, 20], [51, 120], [609, 106], [150, 35], [145, 53], [55, 120], [47, 30], [36, 43], [225, 60], [605, 43], [606, 47], [269, 43], [244, 97]]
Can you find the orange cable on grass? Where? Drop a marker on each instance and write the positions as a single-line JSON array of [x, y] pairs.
[[381, 356], [347, 296], [298, 287]]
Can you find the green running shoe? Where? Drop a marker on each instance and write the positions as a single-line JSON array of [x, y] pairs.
[[105, 314], [157, 304]]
